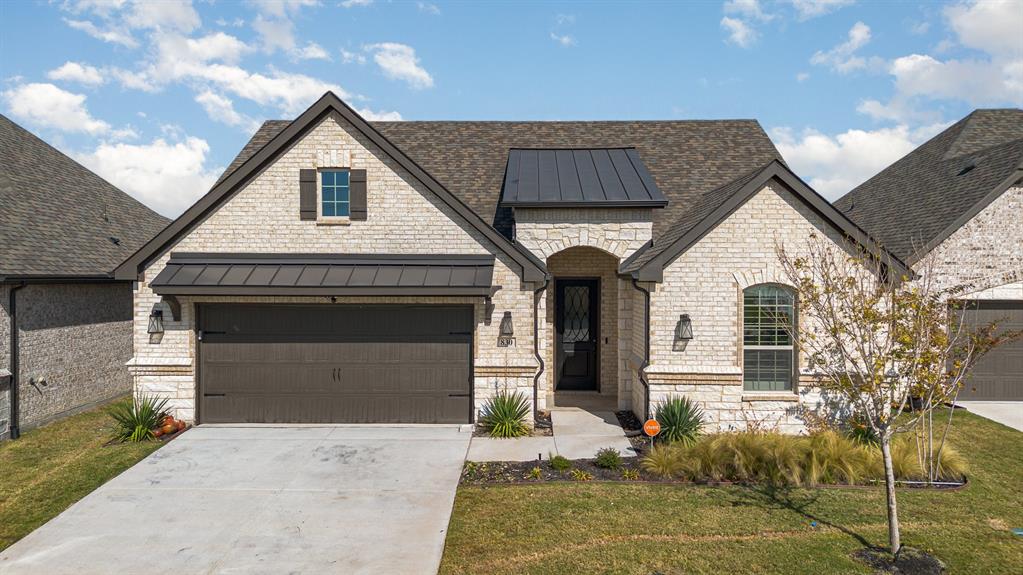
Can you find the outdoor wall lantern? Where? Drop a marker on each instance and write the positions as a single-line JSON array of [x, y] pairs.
[[155, 321], [506, 334], [683, 332]]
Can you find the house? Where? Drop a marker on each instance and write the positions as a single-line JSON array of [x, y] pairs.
[[349, 271], [65, 323], [955, 206]]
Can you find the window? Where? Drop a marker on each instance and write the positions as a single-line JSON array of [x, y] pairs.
[[334, 196], [768, 356]]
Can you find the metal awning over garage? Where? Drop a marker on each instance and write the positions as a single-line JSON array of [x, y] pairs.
[[326, 275]]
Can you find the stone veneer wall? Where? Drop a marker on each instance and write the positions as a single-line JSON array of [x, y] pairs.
[[986, 253], [618, 232], [73, 342], [404, 217], [5, 346], [707, 282]]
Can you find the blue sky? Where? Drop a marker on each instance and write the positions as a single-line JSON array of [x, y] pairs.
[[159, 96]]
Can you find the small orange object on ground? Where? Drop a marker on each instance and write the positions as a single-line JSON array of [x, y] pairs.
[[651, 427]]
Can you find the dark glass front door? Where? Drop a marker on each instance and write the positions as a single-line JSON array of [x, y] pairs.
[[577, 333]]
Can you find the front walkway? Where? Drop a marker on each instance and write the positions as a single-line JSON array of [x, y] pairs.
[[263, 500], [578, 434], [1008, 413]]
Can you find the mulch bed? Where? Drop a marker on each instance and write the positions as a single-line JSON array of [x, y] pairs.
[[909, 562], [505, 472], [542, 428]]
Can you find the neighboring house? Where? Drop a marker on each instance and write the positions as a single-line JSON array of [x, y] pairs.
[[348, 271], [65, 324], [957, 201]]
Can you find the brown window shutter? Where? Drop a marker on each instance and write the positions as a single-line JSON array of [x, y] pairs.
[[357, 194], [307, 194]]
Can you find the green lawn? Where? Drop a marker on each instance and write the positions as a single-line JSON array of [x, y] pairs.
[[49, 468], [657, 528]]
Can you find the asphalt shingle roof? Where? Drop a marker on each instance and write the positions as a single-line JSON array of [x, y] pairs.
[[911, 203], [686, 158], [57, 217]]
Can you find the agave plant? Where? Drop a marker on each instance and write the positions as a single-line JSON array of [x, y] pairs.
[[136, 419], [504, 415], [681, 420]]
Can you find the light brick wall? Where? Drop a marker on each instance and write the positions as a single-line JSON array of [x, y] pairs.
[[986, 253], [73, 342], [706, 282], [548, 231], [404, 217]]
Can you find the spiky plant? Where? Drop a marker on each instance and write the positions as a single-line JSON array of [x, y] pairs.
[[504, 415], [681, 420], [135, 420], [663, 461]]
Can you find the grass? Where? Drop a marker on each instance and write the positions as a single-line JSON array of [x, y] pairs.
[[660, 528], [50, 468]]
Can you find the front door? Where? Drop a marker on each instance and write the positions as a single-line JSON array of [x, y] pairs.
[[577, 333]]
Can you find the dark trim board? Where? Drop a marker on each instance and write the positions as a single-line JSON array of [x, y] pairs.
[[531, 269]]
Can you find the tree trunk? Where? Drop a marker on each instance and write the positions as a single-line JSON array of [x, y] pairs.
[[889, 481]]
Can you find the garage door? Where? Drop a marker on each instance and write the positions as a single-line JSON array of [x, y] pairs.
[[998, 376], [335, 363]]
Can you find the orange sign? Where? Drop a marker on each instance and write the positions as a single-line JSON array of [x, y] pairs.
[[651, 427]]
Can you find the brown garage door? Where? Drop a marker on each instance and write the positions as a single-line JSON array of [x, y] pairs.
[[998, 376], [263, 363]]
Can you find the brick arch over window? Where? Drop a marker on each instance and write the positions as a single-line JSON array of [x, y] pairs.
[[768, 314]]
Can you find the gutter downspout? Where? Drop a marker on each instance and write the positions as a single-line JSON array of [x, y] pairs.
[[13, 361], [646, 348], [536, 344]]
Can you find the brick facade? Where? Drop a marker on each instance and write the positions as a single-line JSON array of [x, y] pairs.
[[404, 218], [73, 342]]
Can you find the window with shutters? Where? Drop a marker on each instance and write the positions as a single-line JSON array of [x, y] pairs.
[[335, 199], [768, 358]]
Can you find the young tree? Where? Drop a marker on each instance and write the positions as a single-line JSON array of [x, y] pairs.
[[888, 348]]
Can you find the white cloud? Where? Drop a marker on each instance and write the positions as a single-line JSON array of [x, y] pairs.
[[920, 28], [354, 3], [114, 35], [399, 62], [281, 8], [48, 106], [134, 80], [807, 9], [843, 58], [802, 77], [978, 82], [748, 9], [739, 32], [836, 164], [275, 33], [168, 177], [564, 19], [564, 40], [236, 23], [375, 116], [311, 51], [176, 15], [349, 57], [993, 26], [221, 109], [75, 72], [428, 8]]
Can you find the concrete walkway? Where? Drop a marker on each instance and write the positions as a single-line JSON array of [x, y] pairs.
[[271, 500], [578, 434], [1008, 413]]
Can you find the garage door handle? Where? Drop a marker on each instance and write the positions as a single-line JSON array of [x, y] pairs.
[[333, 374]]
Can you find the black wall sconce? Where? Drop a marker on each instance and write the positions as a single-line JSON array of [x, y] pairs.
[[155, 321], [683, 332], [506, 333]]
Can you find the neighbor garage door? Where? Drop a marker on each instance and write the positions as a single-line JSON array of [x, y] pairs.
[[998, 376], [335, 363]]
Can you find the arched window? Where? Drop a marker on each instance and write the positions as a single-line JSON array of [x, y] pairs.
[[768, 358]]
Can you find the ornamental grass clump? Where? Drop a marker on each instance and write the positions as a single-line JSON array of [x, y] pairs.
[[681, 420], [135, 420], [835, 458], [504, 415]]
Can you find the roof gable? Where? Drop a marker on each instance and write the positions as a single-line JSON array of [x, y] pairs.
[[59, 219], [265, 154], [648, 264], [920, 200]]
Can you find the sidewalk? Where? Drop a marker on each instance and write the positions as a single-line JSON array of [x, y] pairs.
[[578, 434]]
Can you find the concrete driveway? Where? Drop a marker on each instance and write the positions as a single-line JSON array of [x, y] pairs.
[[263, 500], [1008, 413]]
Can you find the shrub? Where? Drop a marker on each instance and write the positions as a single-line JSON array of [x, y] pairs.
[[580, 475], [135, 420], [906, 461], [608, 458], [663, 461], [560, 463], [681, 420], [504, 415], [630, 475], [534, 473], [834, 458]]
